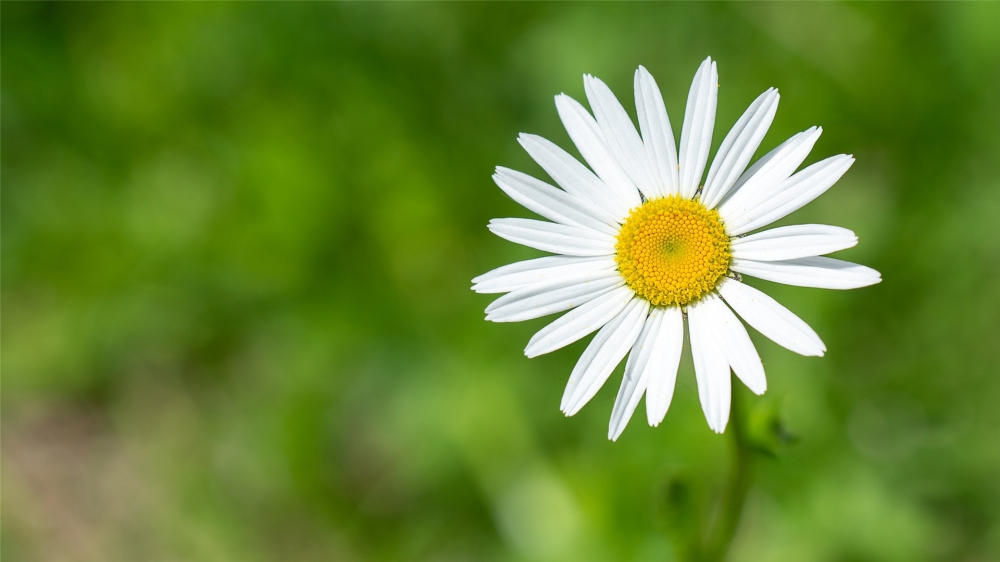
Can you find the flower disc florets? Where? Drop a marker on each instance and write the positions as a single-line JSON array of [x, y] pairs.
[[672, 251]]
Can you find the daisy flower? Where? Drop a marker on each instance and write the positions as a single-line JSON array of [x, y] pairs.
[[642, 243]]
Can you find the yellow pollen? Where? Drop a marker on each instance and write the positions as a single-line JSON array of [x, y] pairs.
[[672, 251]]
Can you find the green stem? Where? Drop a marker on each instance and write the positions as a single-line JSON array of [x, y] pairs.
[[723, 527]]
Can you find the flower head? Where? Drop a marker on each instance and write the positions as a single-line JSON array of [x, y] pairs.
[[642, 243]]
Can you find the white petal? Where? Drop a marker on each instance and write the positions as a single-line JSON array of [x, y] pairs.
[[791, 242], [574, 177], [657, 136], [772, 171], [542, 299], [620, 136], [603, 354], [666, 359], [637, 371], [587, 137], [772, 319], [791, 195], [520, 274], [555, 238], [734, 341], [710, 368], [762, 179], [579, 322], [551, 202], [818, 272], [738, 147], [699, 122]]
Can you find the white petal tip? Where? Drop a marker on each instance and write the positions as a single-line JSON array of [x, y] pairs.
[[720, 426], [874, 280], [819, 351]]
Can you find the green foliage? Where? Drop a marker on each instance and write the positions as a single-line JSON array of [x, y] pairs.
[[237, 241]]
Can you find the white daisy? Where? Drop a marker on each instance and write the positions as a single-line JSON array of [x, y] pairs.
[[640, 246]]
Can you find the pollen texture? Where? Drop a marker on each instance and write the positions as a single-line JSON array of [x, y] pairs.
[[672, 251]]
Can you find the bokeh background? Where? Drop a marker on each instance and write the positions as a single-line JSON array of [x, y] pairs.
[[237, 241]]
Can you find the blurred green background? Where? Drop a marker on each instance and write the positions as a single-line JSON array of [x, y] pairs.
[[237, 241]]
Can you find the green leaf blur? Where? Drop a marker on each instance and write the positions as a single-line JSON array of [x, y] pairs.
[[237, 244]]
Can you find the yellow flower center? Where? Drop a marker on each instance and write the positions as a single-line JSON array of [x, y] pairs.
[[672, 251]]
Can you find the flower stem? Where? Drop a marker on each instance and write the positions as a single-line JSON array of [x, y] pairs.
[[722, 528]]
